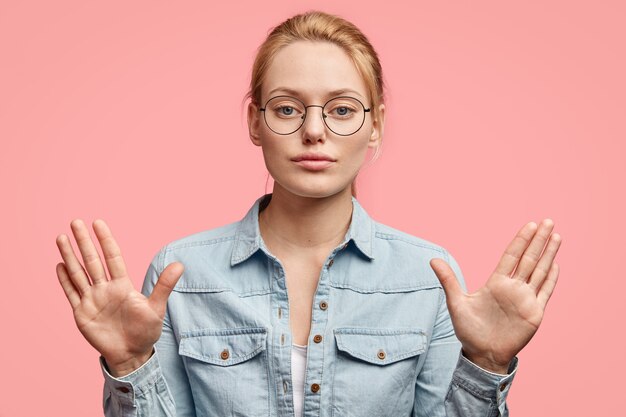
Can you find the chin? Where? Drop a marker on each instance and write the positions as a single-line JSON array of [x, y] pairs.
[[315, 190]]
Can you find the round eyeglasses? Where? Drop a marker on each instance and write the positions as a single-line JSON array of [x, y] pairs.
[[343, 115]]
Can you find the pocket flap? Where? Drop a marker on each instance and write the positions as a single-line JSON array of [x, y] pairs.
[[380, 346], [223, 347]]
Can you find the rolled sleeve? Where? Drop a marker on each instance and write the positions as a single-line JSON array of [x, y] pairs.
[[142, 389], [478, 385]]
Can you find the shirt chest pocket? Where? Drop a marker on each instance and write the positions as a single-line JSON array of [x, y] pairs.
[[375, 371], [228, 369]]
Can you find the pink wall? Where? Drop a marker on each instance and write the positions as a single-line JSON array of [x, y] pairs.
[[498, 114]]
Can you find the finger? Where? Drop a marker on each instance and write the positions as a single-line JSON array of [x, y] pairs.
[[448, 279], [91, 257], [68, 288], [531, 255], [73, 267], [164, 286], [548, 286], [110, 250], [545, 262], [515, 249]]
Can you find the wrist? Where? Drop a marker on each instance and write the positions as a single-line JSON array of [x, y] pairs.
[[123, 368], [487, 363]]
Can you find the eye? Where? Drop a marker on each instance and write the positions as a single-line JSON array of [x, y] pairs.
[[285, 110], [341, 111], [285, 107]]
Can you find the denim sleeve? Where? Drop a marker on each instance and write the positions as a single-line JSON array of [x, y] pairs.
[[449, 385], [160, 387]]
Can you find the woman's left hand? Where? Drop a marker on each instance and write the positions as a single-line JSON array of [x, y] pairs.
[[497, 321]]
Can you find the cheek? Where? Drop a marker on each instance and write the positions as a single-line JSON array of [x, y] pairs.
[[356, 152], [274, 154]]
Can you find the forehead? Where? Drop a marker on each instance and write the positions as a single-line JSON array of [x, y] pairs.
[[314, 70]]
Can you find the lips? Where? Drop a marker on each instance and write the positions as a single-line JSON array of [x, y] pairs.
[[310, 156]]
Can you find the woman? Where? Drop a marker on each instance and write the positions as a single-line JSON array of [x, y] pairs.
[[307, 306]]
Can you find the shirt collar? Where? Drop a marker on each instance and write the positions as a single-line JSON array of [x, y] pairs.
[[248, 235]]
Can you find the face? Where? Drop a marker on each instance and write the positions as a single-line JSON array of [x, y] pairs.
[[313, 72]]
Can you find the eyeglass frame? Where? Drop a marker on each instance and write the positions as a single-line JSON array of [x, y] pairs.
[[365, 110]]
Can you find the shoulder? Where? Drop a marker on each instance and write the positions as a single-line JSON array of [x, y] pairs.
[[198, 248], [205, 238], [412, 254], [207, 257], [394, 242], [400, 263]]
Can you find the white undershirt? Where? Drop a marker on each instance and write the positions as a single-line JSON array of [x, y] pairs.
[[298, 368]]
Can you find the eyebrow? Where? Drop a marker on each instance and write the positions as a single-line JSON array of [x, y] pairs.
[[333, 93]]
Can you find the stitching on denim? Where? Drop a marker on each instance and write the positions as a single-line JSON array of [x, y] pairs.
[[200, 288], [269, 379], [193, 289], [200, 243], [388, 236], [376, 332], [231, 331], [420, 287]]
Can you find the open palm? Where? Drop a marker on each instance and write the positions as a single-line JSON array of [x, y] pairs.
[[498, 320], [117, 320]]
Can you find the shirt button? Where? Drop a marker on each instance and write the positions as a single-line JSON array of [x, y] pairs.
[[317, 338], [323, 305], [315, 387], [123, 389], [331, 262], [225, 354], [503, 386], [381, 354]]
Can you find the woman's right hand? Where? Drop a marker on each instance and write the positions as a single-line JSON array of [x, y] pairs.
[[120, 322]]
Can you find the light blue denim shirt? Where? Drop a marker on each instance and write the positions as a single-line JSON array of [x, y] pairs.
[[387, 345]]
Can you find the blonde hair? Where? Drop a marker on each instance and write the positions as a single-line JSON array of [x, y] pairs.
[[320, 26]]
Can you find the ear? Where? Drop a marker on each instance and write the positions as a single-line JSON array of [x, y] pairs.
[[378, 127], [254, 122]]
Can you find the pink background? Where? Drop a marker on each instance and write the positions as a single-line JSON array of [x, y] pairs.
[[498, 114]]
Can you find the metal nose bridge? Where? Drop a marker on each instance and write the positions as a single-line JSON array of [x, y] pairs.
[[313, 105]]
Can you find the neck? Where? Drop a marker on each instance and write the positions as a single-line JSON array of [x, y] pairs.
[[293, 222]]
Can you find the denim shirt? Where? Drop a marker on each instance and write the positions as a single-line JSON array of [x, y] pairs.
[[381, 340]]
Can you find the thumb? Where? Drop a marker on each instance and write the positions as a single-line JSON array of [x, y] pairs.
[[448, 279], [164, 286]]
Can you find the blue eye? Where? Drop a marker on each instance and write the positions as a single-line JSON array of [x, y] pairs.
[[343, 112], [286, 110]]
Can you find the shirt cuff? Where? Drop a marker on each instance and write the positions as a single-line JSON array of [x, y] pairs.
[[137, 383], [483, 383]]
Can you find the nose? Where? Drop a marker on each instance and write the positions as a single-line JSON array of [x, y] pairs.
[[314, 128]]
